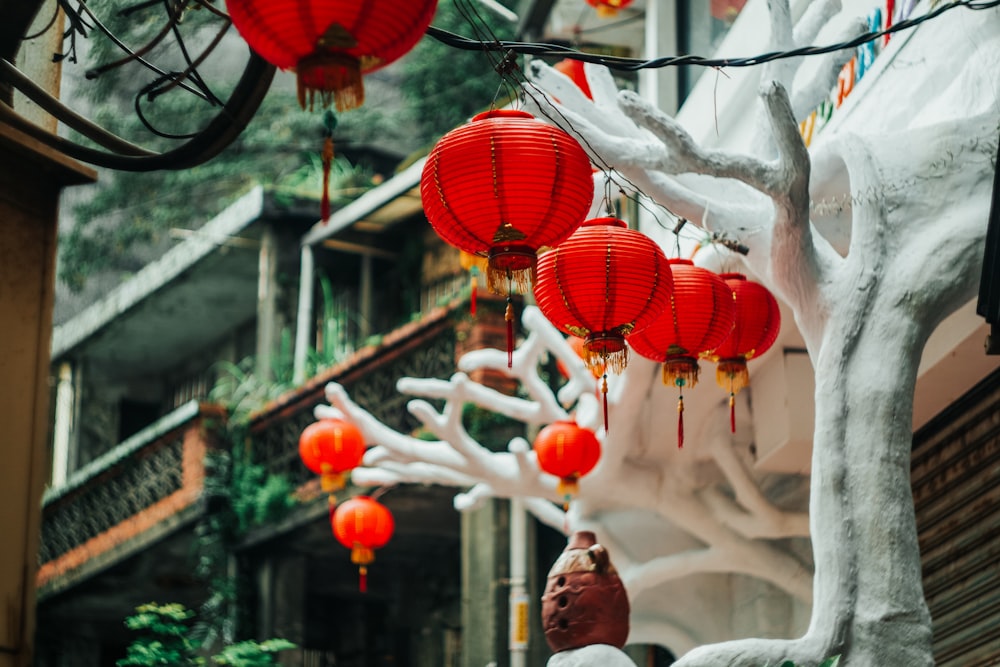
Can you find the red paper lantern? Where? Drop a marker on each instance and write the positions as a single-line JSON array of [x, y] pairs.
[[331, 43], [602, 284], [699, 318], [503, 186], [567, 451], [331, 448], [574, 70], [608, 8], [362, 525], [756, 327]]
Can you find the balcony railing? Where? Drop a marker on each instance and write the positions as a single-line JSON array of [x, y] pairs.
[[124, 495], [420, 349]]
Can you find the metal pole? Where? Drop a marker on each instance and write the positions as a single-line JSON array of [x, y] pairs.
[[303, 322], [519, 628]]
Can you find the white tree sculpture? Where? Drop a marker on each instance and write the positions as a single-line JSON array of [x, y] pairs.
[[872, 237]]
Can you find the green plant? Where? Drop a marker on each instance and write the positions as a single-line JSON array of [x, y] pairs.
[[165, 639], [251, 653]]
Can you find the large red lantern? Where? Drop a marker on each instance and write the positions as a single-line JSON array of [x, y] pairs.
[[503, 186], [567, 451], [756, 327], [602, 284], [699, 318], [608, 8], [331, 43], [331, 448], [363, 525]]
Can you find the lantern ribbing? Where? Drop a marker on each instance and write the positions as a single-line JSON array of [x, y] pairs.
[[503, 186], [699, 318]]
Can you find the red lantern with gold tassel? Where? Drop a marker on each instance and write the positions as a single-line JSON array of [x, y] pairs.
[[331, 448], [503, 186], [363, 525], [608, 8], [602, 284], [699, 318], [756, 327], [331, 43], [569, 452]]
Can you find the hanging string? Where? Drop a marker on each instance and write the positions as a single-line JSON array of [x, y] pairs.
[[680, 412], [474, 289], [732, 406]]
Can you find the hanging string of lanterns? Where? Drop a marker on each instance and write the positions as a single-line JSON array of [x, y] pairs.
[[755, 329], [503, 186], [602, 284], [699, 318], [363, 525]]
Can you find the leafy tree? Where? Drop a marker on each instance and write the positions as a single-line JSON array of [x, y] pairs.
[[444, 86]]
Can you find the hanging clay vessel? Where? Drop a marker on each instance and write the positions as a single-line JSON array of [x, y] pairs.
[[585, 601]]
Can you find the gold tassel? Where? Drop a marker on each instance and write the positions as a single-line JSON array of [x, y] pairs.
[[681, 371], [732, 374], [331, 482], [502, 281], [615, 361], [330, 77]]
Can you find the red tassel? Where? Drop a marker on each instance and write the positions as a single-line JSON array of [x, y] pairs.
[[474, 287], [732, 412], [327, 156], [509, 318], [604, 390], [363, 579], [680, 422]]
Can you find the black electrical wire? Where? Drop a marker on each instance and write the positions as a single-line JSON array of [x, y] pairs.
[[634, 64], [224, 127]]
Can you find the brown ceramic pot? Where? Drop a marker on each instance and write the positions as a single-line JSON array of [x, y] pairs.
[[585, 601]]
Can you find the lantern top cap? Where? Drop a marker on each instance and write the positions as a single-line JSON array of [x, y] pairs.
[[733, 276], [680, 261], [604, 222], [502, 113]]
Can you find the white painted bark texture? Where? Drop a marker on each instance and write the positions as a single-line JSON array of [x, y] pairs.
[[871, 237]]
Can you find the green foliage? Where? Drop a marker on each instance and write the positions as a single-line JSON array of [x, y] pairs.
[[252, 654], [445, 86], [163, 636], [164, 639]]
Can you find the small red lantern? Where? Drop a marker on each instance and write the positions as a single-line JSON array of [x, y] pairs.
[[602, 284], [699, 318], [574, 70], [331, 43], [362, 525], [503, 186], [567, 451], [331, 448], [756, 327], [608, 8]]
